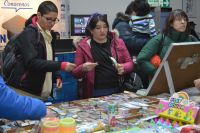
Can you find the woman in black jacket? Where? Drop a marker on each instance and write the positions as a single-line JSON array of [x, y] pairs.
[[35, 48]]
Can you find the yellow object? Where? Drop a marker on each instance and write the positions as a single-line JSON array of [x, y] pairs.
[[178, 108], [178, 115], [67, 125]]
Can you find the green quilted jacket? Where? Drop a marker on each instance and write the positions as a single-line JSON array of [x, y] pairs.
[[152, 47]]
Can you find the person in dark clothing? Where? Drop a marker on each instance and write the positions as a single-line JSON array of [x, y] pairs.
[[192, 29], [134, 41], [55, 36], [121, 24], [38, 57]]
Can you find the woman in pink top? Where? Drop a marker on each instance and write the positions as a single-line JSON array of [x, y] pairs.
[[94, 59]]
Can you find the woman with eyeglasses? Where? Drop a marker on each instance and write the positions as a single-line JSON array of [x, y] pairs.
[[37, 53], [101, 58], [176, 30]]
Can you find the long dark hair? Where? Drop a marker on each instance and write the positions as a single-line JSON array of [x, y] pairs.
[[178, 13], [93, 20]]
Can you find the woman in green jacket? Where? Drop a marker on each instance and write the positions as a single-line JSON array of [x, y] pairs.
[[176, 30]]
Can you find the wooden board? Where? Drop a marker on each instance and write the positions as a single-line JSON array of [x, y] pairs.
[[181, 77]]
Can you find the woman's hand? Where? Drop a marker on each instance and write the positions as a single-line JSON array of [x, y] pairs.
[[197, 83], [58, 83], [120, 69], [69, 67], [88, 66]]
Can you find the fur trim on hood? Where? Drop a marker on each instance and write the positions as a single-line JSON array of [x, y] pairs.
[[32, 20], [120, 17]]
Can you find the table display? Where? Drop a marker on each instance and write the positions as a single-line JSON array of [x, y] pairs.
[[178, 108], [120, 113]]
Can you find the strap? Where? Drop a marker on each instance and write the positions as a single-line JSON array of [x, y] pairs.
[[116, 52], [36, 30], [161, 44]]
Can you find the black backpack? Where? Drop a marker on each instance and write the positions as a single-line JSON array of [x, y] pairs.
[[13, 70]]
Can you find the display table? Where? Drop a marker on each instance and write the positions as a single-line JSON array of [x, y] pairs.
[[93, 114]]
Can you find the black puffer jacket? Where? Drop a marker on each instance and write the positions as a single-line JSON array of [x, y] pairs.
[[134, 40], [33, 53]]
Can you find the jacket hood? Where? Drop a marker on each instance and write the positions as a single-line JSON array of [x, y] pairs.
[[32, 20], [120, 17]]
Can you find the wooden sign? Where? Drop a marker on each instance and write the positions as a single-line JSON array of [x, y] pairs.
[[179, 68]]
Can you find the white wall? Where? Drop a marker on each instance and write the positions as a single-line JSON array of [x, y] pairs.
[[13, 16], [177, 4], [111, 7]]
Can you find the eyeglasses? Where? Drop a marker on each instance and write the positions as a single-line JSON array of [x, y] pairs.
[[50, 21]]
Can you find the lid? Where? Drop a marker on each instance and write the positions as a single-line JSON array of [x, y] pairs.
[[67, 122]]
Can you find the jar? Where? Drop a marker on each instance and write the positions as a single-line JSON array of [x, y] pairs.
[[50, 125], [67, 125]]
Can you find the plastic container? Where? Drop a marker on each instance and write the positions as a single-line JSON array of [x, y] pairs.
[[67, 125], [50, 125], [112, 109], [58, 95]]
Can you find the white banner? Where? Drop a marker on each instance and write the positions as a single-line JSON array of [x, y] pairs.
[[13, 14]]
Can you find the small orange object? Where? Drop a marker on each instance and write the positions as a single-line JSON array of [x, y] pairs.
[[67, 125], [50, 125], [155, 60]]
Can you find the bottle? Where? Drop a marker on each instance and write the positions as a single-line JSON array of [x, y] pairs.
[[112, 116], [57, 94]]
